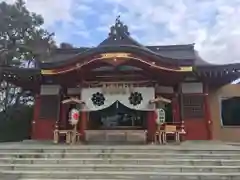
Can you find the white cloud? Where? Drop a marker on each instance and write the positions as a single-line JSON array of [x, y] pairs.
[[61, 13], [212, 24], [52, 10]]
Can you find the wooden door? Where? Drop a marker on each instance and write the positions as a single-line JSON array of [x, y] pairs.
[[45, 116], [194, 116]]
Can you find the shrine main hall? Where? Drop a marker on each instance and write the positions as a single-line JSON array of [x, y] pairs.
[[118, 85]]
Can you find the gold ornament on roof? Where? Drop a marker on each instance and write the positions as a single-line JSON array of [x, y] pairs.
[[115, 55]]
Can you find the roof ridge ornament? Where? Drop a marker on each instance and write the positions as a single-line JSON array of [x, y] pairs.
[[118, 29], [117, 19]]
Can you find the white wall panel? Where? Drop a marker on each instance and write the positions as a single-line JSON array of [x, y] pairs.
[[73, 91], [191, 88], [50, 89], [164, 89]]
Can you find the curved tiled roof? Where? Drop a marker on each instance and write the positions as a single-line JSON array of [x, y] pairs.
[[119, 39], [67, 58], [180, 52]]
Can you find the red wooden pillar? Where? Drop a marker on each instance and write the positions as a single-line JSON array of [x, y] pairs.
[[207, 111], [175, 109], [151, 126], [63, 119], [83, 124], [35, 117]]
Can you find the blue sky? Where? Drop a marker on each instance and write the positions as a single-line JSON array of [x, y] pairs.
[[212, 24]]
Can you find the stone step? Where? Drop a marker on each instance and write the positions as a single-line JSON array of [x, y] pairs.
[[72, 179], [140, 175], [120, 155], [207, 162], [120, 150], [119, 167]]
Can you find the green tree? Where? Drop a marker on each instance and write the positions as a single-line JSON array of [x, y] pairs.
[[21, 38], [17, 125], [21, 34]]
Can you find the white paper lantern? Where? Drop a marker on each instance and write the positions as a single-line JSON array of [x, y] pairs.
[[161, 117], [74, 116]]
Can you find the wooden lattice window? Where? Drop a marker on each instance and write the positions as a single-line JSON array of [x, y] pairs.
[[193, 106]]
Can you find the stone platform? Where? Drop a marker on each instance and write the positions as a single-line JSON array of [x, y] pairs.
[[32, 160], [116, 136]]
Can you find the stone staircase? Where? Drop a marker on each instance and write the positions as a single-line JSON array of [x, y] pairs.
[[45, 162]]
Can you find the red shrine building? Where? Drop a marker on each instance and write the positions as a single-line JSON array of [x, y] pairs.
[[118, 84]]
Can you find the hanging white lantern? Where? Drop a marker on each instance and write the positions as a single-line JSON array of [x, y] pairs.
[[161, 116], [74, 116]]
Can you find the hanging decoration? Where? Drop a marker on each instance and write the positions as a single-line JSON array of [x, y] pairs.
[[98, 99], [139, 99], [160, 116], [135, 98], [74, 117]]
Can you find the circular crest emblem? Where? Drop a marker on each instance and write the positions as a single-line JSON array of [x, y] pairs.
[[135, 98], [98, 99]]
